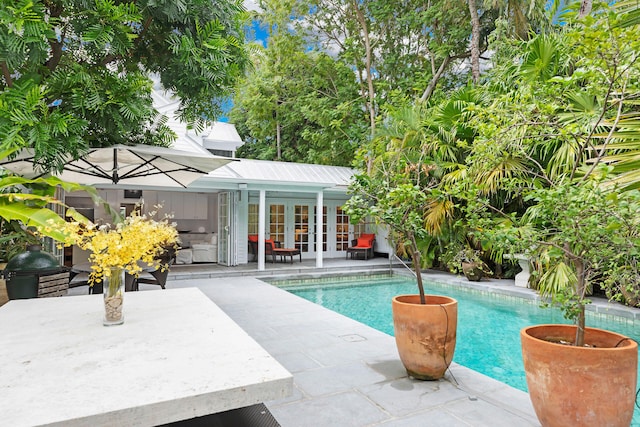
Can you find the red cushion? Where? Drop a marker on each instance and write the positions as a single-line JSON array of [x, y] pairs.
[[270, 242], [363, 243], [253, 237]]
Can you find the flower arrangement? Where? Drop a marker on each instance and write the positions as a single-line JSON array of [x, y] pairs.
[[124, 246]]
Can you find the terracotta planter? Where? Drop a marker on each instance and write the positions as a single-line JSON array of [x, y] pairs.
[[580, 386], [425, 334], [472, 271]]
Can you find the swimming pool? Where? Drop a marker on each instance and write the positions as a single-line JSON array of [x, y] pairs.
[[488, 338]]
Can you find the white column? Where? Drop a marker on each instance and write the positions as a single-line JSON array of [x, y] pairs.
[[261, 229], [319, 226]]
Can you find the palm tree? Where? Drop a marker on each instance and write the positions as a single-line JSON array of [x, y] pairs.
[[523, 16]]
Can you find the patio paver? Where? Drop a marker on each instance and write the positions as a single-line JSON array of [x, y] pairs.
[[348, 374]]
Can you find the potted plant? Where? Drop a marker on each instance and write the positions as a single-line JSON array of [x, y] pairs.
[[579, 232], [566, 210], [469, 261], [425, 326]]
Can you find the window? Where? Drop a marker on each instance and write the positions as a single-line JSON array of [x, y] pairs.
[[252, 226], [276, 223], [342, 230]]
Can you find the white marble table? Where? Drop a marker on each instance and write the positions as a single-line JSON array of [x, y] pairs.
[[177, 356]]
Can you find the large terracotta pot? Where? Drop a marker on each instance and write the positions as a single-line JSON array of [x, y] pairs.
[[425, 334], [580, 386]]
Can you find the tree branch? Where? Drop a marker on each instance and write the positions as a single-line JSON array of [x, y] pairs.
[[6, 74], [434, 80], [55, 10]]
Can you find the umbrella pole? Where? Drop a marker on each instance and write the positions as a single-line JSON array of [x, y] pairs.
[[114, 173]]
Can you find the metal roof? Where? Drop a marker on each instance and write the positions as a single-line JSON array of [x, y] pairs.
[[282, 173], [257, 173]]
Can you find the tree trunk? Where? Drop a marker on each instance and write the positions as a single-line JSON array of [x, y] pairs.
[[585, 8], [581, 290], [415, 256], [368, 61], [278, 148], [475, 42]]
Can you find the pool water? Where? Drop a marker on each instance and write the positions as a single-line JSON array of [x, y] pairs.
[[488, 338]]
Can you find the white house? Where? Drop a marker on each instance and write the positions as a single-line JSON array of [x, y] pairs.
[[217, 212], [275, 200]]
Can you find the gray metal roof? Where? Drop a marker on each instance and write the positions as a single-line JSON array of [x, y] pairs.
[[283, 173]]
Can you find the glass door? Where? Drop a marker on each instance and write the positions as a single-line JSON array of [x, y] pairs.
[[342, 231], [302, 226], [224, 218], [324, 228]]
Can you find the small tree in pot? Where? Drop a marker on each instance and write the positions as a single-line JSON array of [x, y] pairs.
[[417, 319], [577, 232], [396, 191], [548, 137]]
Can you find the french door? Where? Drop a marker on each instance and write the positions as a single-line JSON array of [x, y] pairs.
[[227, 229], [291, 223], [336, 231]]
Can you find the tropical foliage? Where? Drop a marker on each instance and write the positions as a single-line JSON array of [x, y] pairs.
[[76, 73], [545, 144], [298, 106], [532, 159]]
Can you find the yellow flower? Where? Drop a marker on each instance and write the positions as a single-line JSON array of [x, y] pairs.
[[129, 245]]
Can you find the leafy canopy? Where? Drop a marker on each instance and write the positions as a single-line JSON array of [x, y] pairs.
[[75, 73]]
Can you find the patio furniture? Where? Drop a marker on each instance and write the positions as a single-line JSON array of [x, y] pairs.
[[83, 271], [131, 282], [363, 245], [253, 246], [155, 277], [206, 362], [184, 256], [273, 249], [205, 250], [286, 252], [159, 275]]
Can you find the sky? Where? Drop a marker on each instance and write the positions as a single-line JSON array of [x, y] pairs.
[[261, 36], [250, 5]]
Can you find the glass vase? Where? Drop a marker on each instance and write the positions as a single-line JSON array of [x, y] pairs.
[[113, 297]]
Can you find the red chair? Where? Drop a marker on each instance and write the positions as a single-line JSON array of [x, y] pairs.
[[253, 246], [272, 248], [362, 245]]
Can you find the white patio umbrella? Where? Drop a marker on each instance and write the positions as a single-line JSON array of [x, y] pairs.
[[130, 165]]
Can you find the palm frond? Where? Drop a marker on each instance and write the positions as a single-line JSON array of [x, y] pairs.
[[559, 278], [437, 213]]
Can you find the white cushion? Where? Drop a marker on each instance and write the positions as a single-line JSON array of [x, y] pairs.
[[184, 256]]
